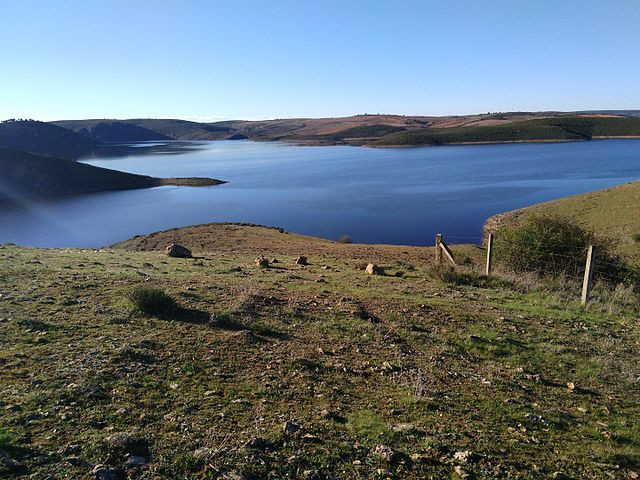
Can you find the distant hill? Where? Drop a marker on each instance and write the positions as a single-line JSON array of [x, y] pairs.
[[145, 129], [44, 138], [113, 131], [558, 128], [24, 174], [375, 130]]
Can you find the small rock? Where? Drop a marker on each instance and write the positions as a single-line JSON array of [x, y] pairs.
[[383, 451], [9, 462], [311, 475], [571, 386], [560, 476], [373, 269], [459, 471], [104, 472], [301, 260], [136, 461], [262, 262], [403, 427], [462, 456], [203, 452], [233, 476], [326, 267], [290, 428], [178, 251], [256, 443], [275, 260]]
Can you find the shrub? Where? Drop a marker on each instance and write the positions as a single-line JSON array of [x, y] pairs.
[[555, 245], [636, 237], [152, 301], [345, 239], [6, 438]]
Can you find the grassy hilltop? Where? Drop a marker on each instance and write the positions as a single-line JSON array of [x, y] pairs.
[[612, 213], [317, 371]]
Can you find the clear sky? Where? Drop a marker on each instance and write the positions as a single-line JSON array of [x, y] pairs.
[[272, 59]]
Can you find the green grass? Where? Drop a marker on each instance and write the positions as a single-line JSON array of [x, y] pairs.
[[434, 367]]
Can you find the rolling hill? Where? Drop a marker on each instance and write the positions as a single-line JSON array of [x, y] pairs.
[[374, 130], [45, 138]]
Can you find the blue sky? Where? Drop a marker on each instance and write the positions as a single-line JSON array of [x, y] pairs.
[[275, 59]]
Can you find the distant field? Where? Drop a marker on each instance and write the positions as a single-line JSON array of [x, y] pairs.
[[612, 213]]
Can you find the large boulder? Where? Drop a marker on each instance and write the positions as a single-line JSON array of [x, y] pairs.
[[178, 251], [301, 260], [373, 269]]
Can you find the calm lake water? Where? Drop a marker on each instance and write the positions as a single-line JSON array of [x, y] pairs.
[[401, 196]]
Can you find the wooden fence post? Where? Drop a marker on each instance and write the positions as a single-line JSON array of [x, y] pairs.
[[588, 274], [438, 249], [489, 254]]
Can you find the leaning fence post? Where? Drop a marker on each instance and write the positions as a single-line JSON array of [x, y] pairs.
[[438, 249], [489, 254], [588, 274]]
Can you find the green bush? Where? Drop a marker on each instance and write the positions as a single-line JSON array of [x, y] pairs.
[[152, 301], [558, 246], [345, 239], [636, 237], [7, 438]]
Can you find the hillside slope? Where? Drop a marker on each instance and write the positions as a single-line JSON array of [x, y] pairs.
[[44, 138], [304, 372], [384, 130], [612, 213], [28, 175]]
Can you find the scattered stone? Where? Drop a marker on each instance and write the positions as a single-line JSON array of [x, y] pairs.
[[275, 260], [257, 443], [373, 269], [301, 260], [215, 320], [308, 437], [383, 451], [326, 267], [9, 462], [262, 262], [560, 476], [105, 472], [203, 452], [311, 475], [403, 427], [459, 471], [571, 386], [462, 456], [136, 461], [290, 428], [233, 476], [178, 251]]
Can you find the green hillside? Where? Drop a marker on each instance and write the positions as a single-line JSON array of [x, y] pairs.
[[546, 129], [612, 213]]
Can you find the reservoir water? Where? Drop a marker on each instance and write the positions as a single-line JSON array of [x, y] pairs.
[[401, 196]]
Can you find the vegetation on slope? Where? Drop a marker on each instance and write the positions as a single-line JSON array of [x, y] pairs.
[[26, 175], [547, 129], [315, 372], [44, 138], [612, 213]]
